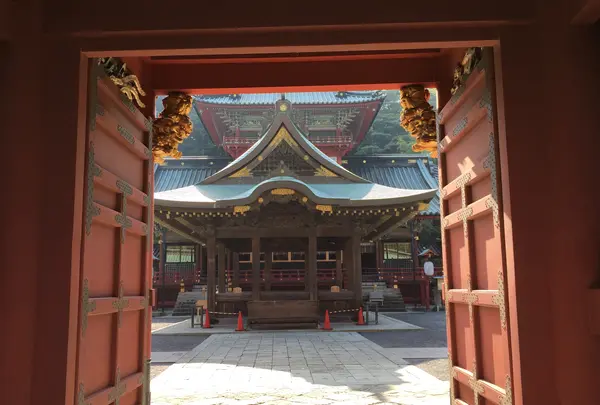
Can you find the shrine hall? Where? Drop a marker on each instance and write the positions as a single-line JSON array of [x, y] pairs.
[[284, 194]]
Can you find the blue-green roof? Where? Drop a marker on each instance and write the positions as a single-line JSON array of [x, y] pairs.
[[414, 172], [407, 171], [330, 97]]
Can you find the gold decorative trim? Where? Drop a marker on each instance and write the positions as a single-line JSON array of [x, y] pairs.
[[87, 306], [124, 187], [119, 389], [283, 135], [120, 303], [507, 399], [146, 383], [81, 396], [125, 134], [124, 222], [283, 191], [500, 300], [243, 172], [241, 209], [324, 208], [91, 210], [322, 171], [422, 206]]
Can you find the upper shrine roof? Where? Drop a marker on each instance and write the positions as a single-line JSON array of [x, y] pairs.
[[284, 159], [331, 97]]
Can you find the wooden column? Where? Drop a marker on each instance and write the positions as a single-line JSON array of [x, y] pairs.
[[268, 267], [211, 271], [306, 271], [311, 258], [256, 268], [348, 264], [339, 276], [235, 258], [221, 266], [357, 268], [379, 255]]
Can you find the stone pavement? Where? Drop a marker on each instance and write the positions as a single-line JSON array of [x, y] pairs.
[[274, 368], [228, 325]]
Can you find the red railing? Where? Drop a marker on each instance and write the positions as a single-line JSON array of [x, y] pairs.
[[239, 140], [394, 275], [330, 140], [176, 272]]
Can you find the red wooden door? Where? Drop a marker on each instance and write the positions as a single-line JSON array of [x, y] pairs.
[[473, 240], [113, 354]]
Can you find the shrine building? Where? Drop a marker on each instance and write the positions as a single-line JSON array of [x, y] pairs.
[[285, 195], [336, 123]]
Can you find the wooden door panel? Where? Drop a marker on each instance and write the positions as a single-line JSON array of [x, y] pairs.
[[473, 241], [113, 351]]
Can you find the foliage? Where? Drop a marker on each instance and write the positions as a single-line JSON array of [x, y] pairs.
[[386, 135], [429, 231]]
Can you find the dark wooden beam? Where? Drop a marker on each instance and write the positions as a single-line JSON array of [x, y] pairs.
[[177, 228], [268, 267], [247, 232], [90, 20], [198, 78], [339, 277], [585, 12]]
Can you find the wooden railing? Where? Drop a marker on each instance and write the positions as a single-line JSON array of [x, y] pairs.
[[176, 272]]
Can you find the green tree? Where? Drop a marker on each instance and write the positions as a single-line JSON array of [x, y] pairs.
[[386, 135]]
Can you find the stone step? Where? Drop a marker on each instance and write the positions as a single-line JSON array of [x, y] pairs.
[[186, 301]]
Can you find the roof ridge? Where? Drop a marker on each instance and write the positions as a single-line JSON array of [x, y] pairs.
[[433, 183]]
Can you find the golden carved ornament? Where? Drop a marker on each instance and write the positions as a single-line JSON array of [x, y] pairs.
[[322, 171], [324, 208], [128, 83], [418, 118], [241, 209], [130, 86], [243, 172], [172, 127], [283, 191], [465, 67]]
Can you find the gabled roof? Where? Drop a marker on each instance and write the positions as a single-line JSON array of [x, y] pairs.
[[326, 183], [331, 97], [283, 130]]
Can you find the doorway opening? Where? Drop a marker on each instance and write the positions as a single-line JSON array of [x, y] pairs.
[[121, 180]]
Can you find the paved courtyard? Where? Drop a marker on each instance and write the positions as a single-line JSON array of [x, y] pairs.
[[297, 368]]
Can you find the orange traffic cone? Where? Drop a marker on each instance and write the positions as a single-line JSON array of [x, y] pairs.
[[361, 318], [240, 325], [207, 320], [327, 324]]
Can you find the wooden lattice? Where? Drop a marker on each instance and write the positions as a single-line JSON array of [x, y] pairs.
[[114, 340], [473, 240]]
